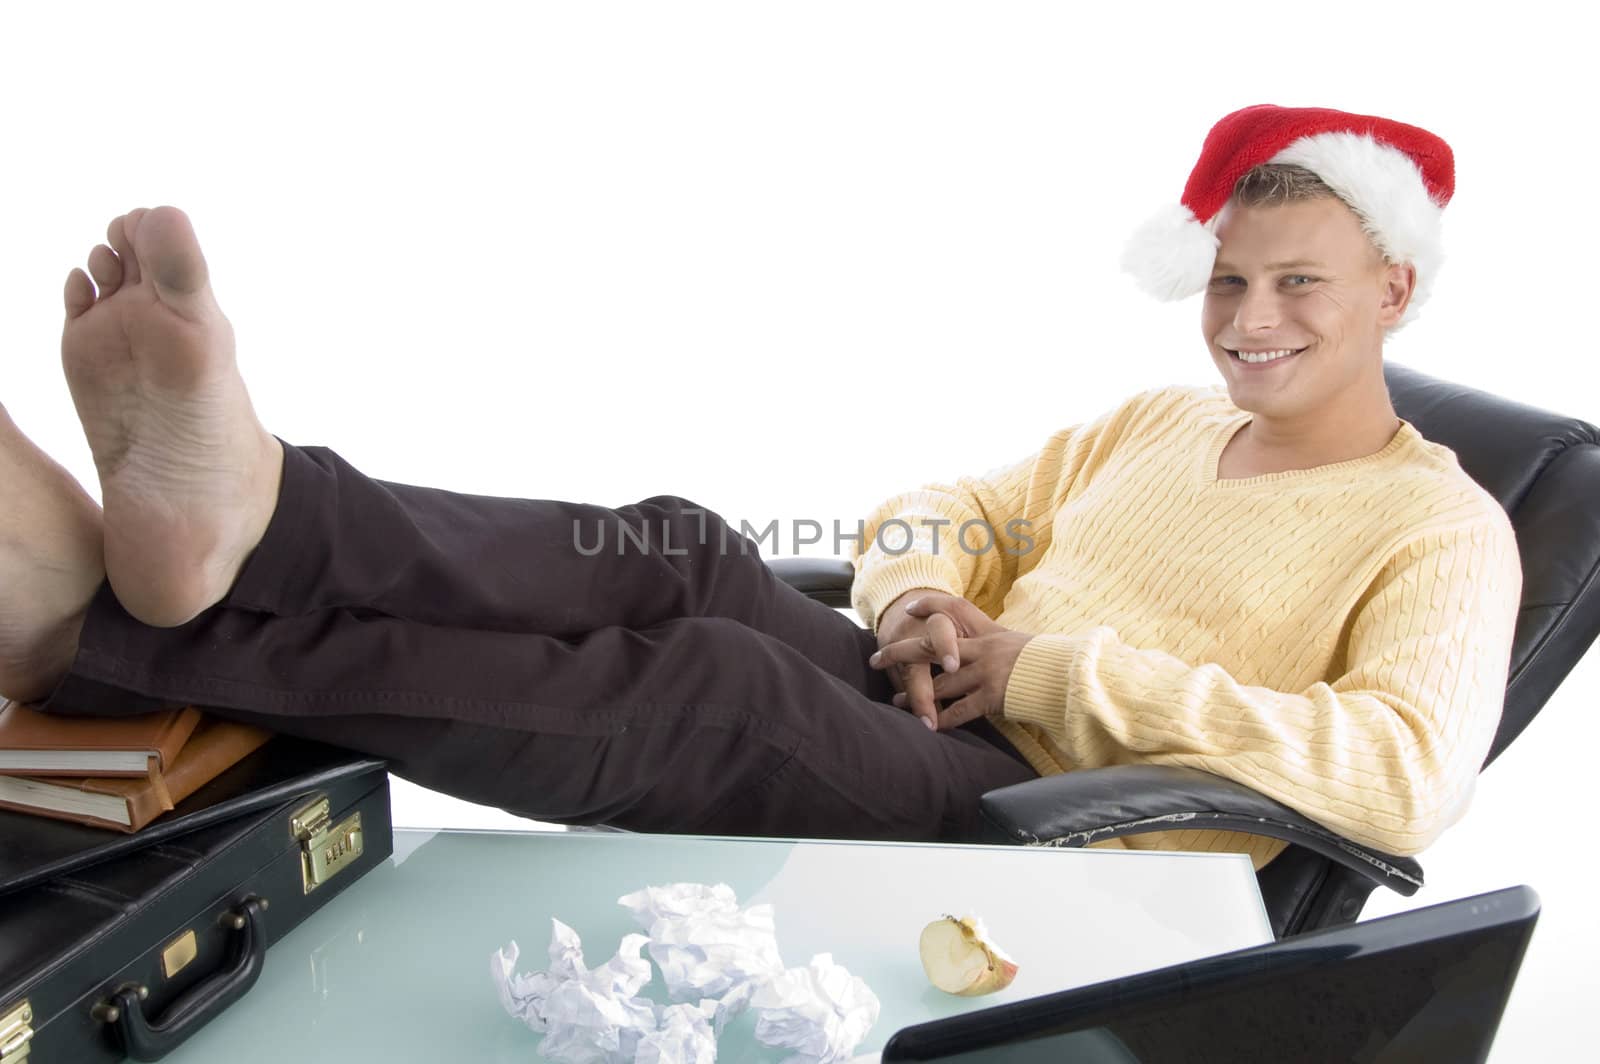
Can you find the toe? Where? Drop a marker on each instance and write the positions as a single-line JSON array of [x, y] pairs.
[[170, 254], [106, 269], [119, 234], [79, 295]]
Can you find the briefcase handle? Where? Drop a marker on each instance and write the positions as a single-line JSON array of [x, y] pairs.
[[144, 1039]]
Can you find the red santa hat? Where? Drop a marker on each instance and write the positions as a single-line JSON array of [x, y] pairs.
[[1396, 178]]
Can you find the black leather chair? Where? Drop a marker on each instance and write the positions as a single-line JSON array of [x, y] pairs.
[[1545, 470]]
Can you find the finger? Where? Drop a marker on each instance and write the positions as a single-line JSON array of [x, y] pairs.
[[930, 602], [967, 618], [953, 685], [899, 700], [917, 651], [971, 650], [942, 634], [959, 713], [919, 695]]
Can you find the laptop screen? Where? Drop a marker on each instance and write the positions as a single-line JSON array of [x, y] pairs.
[[1430, 984]]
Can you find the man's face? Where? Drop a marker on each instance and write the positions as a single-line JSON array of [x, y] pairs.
[[1298, 277]]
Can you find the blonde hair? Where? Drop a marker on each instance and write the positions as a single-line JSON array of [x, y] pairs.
[[1272, 184]]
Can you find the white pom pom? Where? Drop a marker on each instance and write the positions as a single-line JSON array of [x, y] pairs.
[[1171, 255]]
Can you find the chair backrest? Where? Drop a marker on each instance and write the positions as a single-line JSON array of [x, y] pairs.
[[1545, 470]]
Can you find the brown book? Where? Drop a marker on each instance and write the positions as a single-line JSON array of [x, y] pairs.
[[130, 804], [42, 744]]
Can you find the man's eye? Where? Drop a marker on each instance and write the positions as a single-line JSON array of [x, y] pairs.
[[1226, 282], [1299, 280]]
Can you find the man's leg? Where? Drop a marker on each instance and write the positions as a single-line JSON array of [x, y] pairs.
[[191, 482], [339, 539], [697, 724]]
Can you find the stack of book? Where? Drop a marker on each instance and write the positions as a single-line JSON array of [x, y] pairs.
[[119, 773]]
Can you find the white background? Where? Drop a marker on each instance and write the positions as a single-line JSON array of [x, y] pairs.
[[605, 251]]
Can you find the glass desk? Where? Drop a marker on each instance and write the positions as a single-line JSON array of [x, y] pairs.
[[397, 967]]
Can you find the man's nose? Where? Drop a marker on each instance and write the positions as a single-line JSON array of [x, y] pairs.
[[1259, 309]]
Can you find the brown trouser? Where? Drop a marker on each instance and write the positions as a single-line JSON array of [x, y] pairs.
[[666, 681]]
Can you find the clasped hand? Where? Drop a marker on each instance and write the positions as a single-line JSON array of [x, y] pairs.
[[923, 628]]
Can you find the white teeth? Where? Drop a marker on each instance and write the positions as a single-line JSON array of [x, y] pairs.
[[1263, 356]]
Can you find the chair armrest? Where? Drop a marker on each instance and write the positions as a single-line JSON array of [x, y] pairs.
[[1084, 806], [827, 580]]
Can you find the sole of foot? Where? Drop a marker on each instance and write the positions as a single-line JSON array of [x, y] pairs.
[[188, 475]]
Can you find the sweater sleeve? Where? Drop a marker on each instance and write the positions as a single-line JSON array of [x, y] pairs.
[[976, 536], [1386, 754]]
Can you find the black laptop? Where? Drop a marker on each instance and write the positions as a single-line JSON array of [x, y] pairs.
[[1425, 985]]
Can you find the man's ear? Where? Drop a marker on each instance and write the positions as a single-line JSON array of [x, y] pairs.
[[1399, 282]]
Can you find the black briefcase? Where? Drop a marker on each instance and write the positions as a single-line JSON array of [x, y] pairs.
[[129, 957]]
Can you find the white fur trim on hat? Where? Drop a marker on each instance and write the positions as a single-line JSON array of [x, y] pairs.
[[1385, 189], [1171, 254]]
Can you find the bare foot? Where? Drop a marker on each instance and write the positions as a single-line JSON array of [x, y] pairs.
[[188, 476], [49, 566]]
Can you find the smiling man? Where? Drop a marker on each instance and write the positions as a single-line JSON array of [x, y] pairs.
[[1299, 339], [1278, 580]]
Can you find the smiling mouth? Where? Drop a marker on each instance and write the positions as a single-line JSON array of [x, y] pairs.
[[1257, 358]]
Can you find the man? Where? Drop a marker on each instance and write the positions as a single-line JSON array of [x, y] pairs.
[[1280, 582], [1283, 584]]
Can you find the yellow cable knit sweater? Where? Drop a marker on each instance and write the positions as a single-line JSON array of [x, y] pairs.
[[1337, 638]]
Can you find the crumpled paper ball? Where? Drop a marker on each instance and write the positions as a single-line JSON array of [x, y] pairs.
[[821, 1011], [704, 943], [586, 1016]]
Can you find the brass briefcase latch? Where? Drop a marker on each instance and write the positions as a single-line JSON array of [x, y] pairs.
[[16, 1032], [325, 849]]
